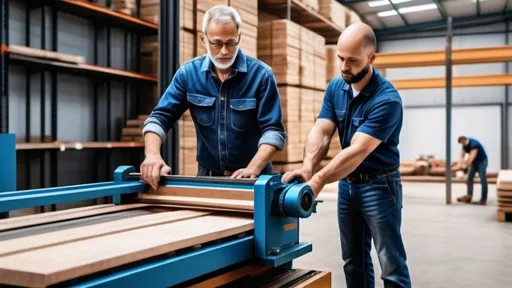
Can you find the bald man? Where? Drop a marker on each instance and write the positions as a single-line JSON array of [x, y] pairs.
[[367, 111]]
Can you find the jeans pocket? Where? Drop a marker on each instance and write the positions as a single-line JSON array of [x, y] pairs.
[[380, 181]]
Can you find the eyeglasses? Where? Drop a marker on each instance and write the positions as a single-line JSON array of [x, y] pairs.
[[220, 45]]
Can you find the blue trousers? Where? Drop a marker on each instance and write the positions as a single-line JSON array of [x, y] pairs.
[[481, 168], [372, 209]]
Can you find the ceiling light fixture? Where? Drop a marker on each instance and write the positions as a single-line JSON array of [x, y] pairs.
[[385, 2], [406, 10]]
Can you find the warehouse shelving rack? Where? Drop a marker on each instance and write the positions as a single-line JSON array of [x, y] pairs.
[[448, 58], [100, 75]]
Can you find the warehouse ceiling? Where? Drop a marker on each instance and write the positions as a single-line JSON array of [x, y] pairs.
[[389, 17]]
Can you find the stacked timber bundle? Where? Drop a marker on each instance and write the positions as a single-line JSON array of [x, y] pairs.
[[504, 195], [311, 4], [128, 7], [333, 65], [335, 12], [298, 60], [188, 145], [133, 129]]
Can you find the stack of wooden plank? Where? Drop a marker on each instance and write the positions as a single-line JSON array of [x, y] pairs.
[[333, 64], [150, 11], [279, 47], [290, 101], [133, 129], [504, 195], [312, 4], [335, 12], [78, 242], [188, 145], [125, 6]]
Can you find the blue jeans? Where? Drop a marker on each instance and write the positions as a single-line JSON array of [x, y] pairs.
[[481, 168], [372, 209]]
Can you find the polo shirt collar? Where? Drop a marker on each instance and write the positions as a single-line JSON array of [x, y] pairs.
[[372, 85], [240, 64]]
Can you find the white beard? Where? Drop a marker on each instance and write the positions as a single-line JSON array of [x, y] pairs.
[[220, 65]]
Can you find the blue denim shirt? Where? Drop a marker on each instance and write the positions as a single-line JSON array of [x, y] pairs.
[[232, 118], [377, 111]]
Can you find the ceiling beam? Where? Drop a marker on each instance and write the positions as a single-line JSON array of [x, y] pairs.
[[351, 1], [398, 12], [441, 9], [439, 24]]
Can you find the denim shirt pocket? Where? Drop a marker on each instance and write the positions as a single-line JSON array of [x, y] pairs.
[[340, 114], [243, 113], [202, 108]]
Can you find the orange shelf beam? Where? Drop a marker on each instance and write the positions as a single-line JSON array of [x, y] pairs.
[[463, 81], [437, 58]]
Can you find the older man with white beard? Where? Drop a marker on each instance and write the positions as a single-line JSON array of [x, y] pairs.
[[234, 103]]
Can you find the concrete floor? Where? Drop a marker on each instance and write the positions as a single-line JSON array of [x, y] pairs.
[[456, 245]]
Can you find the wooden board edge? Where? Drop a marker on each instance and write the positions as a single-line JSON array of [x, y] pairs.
[[71, 216], [321, 280], [230, 276]]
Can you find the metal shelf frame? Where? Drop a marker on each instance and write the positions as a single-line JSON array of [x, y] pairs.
[[131, 26]]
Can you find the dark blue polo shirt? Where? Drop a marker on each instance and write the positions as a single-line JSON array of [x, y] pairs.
[[377, 111], [475, 144]]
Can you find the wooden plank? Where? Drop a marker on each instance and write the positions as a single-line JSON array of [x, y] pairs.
[[321, 280], [241, 205], [245, 271], [39, 241], [39, 53], [55, 264], [205, 192], [52, 217]]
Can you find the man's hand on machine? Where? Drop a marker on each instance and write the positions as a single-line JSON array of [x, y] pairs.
[[151, 169], [245, 173], [303, 174]]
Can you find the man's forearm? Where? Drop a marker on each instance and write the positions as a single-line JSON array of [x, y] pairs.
[[152, 143], [343, 164], [316, 149], [262, 157]]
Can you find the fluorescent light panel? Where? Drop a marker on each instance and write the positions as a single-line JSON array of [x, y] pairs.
[[386, 2], [409, 9]]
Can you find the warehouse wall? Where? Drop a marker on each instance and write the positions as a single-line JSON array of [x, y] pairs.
[[477, 111], [75, 98]]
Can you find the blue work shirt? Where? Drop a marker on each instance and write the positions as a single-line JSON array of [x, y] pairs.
[[475, 144], [232, 118], [376, 111]]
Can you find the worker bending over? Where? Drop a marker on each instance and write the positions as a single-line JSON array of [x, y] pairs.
[[477, 162], [234, 103], [367, 111]]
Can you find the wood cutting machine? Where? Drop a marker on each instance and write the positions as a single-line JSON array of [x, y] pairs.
[[190, 232]]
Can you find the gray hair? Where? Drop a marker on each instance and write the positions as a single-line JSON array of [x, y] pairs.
[[222, 14]]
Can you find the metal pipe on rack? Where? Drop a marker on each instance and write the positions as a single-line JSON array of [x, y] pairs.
[[168, 43], [505, 134], [448, 76]]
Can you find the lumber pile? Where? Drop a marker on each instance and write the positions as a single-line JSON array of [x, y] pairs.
[[188, 145], [504, 195], [311, 4], [128, 7], [333, 68], [65, 253], [133, 129], [335, 12], [297, 56]]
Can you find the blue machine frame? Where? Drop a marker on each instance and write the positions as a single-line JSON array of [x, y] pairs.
[[278, 208]]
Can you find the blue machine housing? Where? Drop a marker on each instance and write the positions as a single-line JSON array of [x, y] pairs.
[[278, 208]]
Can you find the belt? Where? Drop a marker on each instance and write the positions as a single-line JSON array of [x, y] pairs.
[[203, 171], [367, 176]]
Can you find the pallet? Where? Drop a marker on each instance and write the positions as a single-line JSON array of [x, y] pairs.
[[504, 205]]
